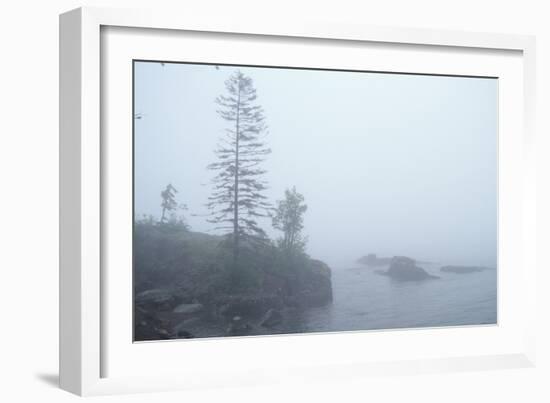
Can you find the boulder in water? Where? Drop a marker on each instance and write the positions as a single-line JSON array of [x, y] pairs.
[[405, 269]]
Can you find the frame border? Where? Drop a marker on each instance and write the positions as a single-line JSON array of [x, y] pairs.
[[80, 306]]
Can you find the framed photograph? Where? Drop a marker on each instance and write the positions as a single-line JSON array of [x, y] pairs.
[[246, 202]]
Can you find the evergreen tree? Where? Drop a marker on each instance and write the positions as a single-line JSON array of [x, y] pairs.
[[237, 199], [289, 218], [168, 203]]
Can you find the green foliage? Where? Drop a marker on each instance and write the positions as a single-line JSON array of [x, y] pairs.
[[289, 218]]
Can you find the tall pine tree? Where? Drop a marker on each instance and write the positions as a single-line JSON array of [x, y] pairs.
[[237, 199]]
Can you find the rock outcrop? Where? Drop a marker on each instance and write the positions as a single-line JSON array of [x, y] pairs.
[[405, 269], [463, 269], [316, 285], [185, 288]]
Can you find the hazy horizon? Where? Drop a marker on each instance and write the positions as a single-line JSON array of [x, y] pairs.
[[388, 163]]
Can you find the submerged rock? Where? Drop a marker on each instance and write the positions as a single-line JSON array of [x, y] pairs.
[[405, 269], [463, 269]]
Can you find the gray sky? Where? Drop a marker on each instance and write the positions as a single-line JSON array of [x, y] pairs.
[[389, 164]]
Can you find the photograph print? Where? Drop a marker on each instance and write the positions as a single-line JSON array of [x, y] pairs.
[[273, 200]]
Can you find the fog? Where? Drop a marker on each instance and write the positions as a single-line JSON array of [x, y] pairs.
[[388, 164]]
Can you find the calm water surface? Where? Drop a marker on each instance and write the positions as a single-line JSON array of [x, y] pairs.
[[365, 300]]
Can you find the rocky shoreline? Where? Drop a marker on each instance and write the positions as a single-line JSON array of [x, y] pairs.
[[188, 295]]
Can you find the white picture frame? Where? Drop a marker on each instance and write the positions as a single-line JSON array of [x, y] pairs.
[[85, 344]]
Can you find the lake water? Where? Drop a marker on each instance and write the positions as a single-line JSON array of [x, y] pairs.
[[365, 300]]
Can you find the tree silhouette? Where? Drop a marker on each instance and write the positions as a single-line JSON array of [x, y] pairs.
[[289, 218], [168, 203], [237, 198]]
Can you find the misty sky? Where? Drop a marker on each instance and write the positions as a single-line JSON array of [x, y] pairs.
[[388, 164]]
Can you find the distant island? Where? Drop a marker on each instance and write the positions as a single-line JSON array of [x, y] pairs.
[[405, 269], [463, 269]]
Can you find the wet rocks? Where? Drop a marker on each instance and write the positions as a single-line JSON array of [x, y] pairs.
[[157, 299], [248, 306], [149, 327], [316, 285]]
